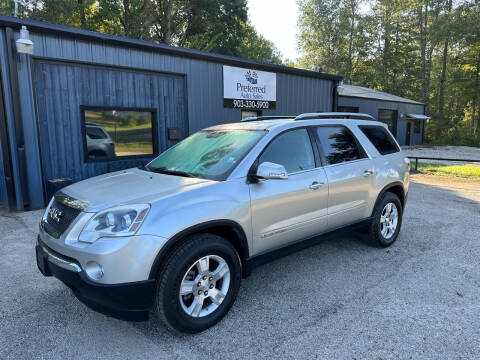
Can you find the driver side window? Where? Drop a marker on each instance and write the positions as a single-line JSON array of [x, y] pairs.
[[292, 149]]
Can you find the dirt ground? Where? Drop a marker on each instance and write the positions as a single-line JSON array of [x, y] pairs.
[[449, 152]]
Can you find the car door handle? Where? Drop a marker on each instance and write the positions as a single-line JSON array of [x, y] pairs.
[[367, 173], [316, 185]]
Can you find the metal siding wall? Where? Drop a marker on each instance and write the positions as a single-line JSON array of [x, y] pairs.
[[372, 106], [61, 88], [3, 184], [57, 100], [295, 94], [10, 118]]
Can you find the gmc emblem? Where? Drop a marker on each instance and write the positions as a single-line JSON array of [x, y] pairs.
[[55, 214]]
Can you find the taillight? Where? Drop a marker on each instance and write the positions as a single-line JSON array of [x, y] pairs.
[[407, 163]]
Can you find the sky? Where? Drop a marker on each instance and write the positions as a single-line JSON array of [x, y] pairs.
[[276, 20]]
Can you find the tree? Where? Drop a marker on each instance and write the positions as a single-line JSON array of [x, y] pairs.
[[426, 50]]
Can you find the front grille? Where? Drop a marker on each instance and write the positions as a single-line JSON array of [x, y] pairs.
[[59, 218]]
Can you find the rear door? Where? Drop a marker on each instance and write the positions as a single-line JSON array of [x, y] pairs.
[[349, 172], [287, 210]]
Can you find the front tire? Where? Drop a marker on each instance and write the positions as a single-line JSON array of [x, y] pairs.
[[198, 283], [386, 220]]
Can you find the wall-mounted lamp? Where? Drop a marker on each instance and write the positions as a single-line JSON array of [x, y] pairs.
[[340, 87], [24, 44]]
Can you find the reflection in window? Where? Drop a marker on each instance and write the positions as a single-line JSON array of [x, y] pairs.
[[338, 144], [388, 117], [292, 149], [416, 126], [113, 133], [210, 154], [381, 139]]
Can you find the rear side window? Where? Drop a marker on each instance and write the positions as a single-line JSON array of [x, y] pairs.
[[381, 139], [292, 149], [339, 145]]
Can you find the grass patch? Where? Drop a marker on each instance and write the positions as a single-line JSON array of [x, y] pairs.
[[470, 171]]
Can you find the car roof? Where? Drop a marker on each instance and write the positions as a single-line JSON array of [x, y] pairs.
[[281, 124]]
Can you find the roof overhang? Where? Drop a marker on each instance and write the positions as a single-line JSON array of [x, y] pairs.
[[418, 116]]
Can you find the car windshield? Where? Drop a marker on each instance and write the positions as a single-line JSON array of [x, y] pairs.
[[209, 154]]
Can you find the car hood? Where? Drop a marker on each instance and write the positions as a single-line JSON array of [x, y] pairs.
[[128, 187]]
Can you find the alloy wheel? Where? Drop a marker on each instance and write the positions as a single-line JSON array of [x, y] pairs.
[[204, 286]]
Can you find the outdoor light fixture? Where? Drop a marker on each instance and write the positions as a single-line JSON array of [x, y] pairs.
[[340, 87], [24, 44]]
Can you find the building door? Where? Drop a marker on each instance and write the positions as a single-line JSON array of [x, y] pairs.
[[95, 119], [408, 135]]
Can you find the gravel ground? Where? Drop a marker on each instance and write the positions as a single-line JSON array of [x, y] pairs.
[[448, 152], [338, 300]]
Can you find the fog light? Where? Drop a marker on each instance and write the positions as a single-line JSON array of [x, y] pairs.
[[94, 270]]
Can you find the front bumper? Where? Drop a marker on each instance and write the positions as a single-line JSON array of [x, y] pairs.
[[127, 301]]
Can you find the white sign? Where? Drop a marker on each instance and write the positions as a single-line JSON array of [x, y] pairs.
[[249, 88]]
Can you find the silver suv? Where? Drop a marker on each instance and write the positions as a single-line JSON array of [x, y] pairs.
[[178, 235]]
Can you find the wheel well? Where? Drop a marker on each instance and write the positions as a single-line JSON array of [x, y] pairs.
[[232, 233], [398, 190]]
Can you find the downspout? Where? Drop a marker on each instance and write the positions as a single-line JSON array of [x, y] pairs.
[[7, 164], [17, 115], [335, 96], [423, 125]]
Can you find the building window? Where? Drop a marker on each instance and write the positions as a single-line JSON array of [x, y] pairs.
[[416, 126], [350, 109], [389, 117], [247, 114], [115, 132]]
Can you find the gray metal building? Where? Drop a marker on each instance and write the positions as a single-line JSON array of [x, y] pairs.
[[405, 118], [86, 103]]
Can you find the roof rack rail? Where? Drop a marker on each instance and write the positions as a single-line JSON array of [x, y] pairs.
[[334, 115], [273, 117]]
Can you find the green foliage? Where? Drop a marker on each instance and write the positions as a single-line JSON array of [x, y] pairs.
[[219, 26], [450, 170], [426, 50]]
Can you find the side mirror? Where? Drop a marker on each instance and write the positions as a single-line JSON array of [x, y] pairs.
[[271, 171]]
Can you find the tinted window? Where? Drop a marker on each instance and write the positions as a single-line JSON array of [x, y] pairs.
[[380, 138], [338, 144], [292, 150], [350, 109], [124, 133]]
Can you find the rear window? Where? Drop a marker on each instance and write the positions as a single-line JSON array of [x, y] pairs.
[[381, 139], [338, 145]]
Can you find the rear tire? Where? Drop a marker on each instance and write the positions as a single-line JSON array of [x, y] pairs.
[[198, 283], [386, 221]]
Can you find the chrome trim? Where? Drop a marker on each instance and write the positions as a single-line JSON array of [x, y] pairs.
[[71, 202], [57, 260]]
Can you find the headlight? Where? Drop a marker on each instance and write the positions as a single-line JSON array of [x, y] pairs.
[[117, 221]]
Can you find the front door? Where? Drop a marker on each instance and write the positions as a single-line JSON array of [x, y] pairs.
[[409, 133], [284, 211], [349, 173]]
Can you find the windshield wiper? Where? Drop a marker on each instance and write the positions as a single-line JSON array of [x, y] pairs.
[[173, 172]]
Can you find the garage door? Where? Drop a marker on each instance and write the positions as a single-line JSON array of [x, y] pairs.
[[94, 120]]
